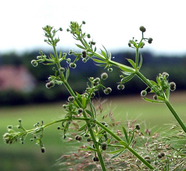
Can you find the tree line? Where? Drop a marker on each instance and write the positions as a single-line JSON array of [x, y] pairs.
[[152, 66]]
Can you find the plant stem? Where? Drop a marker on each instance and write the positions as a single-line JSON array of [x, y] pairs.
[[125, 144], [175, 115], [95, 143]]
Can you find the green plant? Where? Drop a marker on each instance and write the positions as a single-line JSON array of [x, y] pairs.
[[79, 107]]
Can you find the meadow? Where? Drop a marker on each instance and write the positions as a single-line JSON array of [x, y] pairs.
[[28, 157]]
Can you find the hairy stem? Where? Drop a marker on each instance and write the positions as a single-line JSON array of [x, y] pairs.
[[125, 144], [168, 104]]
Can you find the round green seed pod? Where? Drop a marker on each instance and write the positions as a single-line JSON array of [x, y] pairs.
[[172, 86], [104, 76], [104, 146], [142, 29], [143, 93]]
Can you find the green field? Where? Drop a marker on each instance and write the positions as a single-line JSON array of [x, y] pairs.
[[28, 156]]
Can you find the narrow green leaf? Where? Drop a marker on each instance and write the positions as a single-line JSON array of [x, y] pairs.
[[60, 54], [103, 53], [117, 154], [99, 61], [52, 63], [84, 102], [79, 96], [116, 151], [125, 144], [158, 81], [131, 137], [89, 112], [82, 128], [153, 82], [81, 47], [127, 78], [152, 101], [91, 149], [52, 56], [125, 133], [132, 62], [141, 61], [126, 68], [67, 73]]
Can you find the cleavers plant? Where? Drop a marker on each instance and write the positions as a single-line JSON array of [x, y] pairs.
[[79, 107]]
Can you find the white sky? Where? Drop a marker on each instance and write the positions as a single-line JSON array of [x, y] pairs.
[[110, 23]]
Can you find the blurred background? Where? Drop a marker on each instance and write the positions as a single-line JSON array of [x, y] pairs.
[[110, 23]]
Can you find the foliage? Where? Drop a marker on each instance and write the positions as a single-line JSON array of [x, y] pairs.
[[102, 140]]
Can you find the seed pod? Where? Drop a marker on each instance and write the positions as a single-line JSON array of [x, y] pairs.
[[61, 69], [165, 75], [95, 158], [120, 87], [110, 69], [172, 86], [70, 98], [50, 84], [104, 146], [80, 110], [142, 29], [43, 149], [72, 65], [143, 93], [34, 63], [155, 97], [150, 40], [84, 54], [78, 138], [104, 76], [138, 127]]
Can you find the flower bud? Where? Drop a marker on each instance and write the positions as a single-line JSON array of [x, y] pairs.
[[88, 35]]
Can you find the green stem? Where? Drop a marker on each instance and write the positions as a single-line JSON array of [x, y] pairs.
[[137, 57], [95, 143], [125, 144], [144, 79], [168, 104], [175, 115]]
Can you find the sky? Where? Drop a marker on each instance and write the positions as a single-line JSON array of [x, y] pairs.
[[110, 23]]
